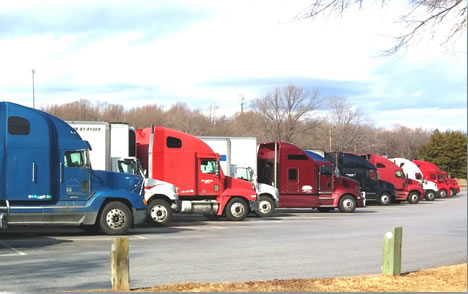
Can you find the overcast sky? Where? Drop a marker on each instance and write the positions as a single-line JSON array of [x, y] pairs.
[[212, 53]]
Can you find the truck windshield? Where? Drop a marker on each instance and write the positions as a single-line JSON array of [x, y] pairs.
[[399, 174], [244, 173], [128, 166], [77, 158]]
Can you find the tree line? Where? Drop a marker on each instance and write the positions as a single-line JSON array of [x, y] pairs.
[[284, 114]]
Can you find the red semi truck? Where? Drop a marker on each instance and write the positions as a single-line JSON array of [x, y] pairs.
[[406, 189], [432, 173], [193, 168], [304, 182]]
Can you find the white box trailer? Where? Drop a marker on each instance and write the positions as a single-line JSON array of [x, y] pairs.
[[113, 148], [239, 160]]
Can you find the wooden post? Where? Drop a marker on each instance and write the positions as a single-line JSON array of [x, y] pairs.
[[391, 261], [120, 265]]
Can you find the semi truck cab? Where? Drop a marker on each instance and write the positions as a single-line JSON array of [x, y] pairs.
[[359, 169], [194, 169]]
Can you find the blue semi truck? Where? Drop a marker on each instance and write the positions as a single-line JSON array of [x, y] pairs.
[[46, 177]]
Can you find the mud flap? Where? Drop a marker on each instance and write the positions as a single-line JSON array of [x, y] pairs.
[[3, 221]]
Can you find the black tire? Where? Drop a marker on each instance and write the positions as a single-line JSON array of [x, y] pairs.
[[325, 209], [385, 198], [347, 204], [159, 213], [115, 218], [266, 206], [236, 209], [212, 217], [430, 195], [454, 192], [442, 193], [413, 198]]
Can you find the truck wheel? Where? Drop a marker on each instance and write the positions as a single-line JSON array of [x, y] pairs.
[[385, 199], [236, 209], [430, 195], [413, 198], [266, 207], [347, 204], [325, 209], [159, 213], [115, 218], [454, 192], [442, 193]]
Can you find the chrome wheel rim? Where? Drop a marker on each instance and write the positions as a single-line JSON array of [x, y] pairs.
[[115, 218], [158, 213]]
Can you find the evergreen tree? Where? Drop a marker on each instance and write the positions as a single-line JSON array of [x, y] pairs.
[[447, 150]]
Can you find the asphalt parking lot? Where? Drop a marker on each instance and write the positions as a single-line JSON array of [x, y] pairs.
[[294, 243]]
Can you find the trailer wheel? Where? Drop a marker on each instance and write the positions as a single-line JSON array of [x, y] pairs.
[[430, 195], [115, 218], [266, 207], [347, 204], [385, 199], [159, 213], [442, 193], [413, 198], [236, 209], [325, 209]]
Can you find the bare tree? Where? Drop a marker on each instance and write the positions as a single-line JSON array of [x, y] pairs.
[[424, 17], [282, 111], [77, 110], [347, 124], [145, 116]]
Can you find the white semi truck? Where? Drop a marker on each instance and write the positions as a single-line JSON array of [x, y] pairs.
[[239, 160], [413, 172], [113, 148]]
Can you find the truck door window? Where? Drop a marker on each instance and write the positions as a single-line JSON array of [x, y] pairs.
[[399, 174], [292, 174], [419, 176], [432, 176], [18, 126], [75, 159], [325, 170], [208, 166]]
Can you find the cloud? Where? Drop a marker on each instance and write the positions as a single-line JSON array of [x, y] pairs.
[[98, 19]]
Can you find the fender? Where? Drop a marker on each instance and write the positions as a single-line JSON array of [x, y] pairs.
[[137, 202], [345, 191], [223, 199]]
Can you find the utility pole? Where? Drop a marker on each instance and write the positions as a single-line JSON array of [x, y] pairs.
[[33, 72], [329, 134], [242, 104]]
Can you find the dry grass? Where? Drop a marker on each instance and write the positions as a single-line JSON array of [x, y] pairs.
[[443, 279]]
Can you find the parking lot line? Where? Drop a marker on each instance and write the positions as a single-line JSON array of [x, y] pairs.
[[16, 251]]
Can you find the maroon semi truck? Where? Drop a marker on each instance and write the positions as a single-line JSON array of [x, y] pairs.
[[304, 182]]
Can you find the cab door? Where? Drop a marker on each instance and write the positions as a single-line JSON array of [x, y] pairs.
[[75, 176], [209, 177], [325, 180]]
